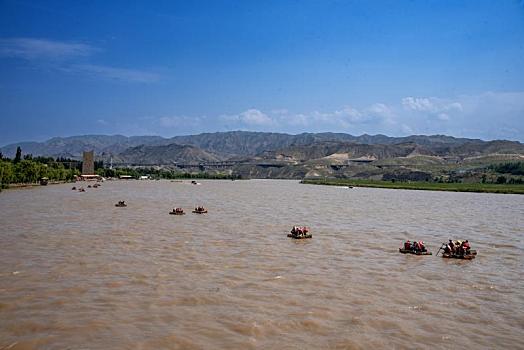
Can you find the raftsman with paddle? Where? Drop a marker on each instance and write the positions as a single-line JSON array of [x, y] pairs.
[[457, 249]]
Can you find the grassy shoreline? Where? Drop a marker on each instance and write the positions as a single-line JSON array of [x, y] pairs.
[[423, 186]]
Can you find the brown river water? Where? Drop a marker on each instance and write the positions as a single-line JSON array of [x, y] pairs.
[[78, 273]]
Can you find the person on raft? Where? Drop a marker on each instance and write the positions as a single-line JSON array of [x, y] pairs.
[[464, 248], [419, 246], [449, 248], [415, 246], [299, 231]]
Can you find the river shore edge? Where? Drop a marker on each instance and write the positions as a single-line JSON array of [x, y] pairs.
[[422, 186], [419, 186]]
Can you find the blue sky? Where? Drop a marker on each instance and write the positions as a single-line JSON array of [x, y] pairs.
[[181, 67]]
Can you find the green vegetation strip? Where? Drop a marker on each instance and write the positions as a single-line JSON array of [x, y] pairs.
[[428, 186], [29, 171]]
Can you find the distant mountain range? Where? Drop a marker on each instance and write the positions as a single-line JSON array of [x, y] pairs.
[[165, 154], [224, 144], [303, 152]]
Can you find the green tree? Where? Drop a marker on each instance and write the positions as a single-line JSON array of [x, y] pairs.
[[501, 180], [18, 156]]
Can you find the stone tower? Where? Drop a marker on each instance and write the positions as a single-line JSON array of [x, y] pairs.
[[88, 165]]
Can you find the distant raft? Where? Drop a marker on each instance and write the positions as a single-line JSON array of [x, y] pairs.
[[200, 210], [300, 232], [121, 204], [177, 211], [415, 247]]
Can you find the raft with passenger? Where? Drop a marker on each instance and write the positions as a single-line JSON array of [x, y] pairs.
[[470, 256], [200, 210], [415, 252], [416, 248], [177, 211], [457, 249], [121, 204], [300, 232]]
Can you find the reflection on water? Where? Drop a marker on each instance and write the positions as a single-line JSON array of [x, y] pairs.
[[77, 272]]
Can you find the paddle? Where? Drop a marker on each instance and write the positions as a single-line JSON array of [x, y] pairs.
[[439, 249]]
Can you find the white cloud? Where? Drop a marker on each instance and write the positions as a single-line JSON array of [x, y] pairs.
[[489, 115], [348, 114], [417, 104], [347, 118], [253, 117], [381, 113], [439, 108], [32, 49], [69, 57]]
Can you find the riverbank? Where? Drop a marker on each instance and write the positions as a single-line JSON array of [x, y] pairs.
[[32, 184], [423, 186]]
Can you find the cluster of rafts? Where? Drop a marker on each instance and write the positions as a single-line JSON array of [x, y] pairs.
[[82, 189], [175, 211], [455, 249], [180, 211]]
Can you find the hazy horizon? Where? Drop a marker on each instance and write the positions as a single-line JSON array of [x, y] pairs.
[[182, 68]]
